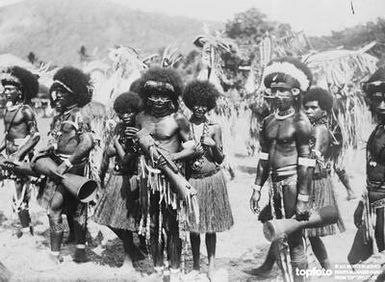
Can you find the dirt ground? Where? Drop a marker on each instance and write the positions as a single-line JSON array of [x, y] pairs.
[[238, 251]]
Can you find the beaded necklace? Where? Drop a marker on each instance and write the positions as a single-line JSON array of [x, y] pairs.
[[198, 162]]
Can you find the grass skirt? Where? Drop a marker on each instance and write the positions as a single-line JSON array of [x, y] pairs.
[[117, 206], [214, 206], [322, 194]]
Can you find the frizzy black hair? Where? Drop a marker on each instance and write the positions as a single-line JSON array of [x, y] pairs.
[[128, 102], [202, 93], [28, 85], [161, 75], [76, 81], [324, 98]]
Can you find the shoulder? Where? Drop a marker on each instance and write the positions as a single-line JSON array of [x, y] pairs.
[[268, 119], [178, 116], [140, 117], [81, 121], [321, 129], [28, 112], [302, 123], [214, 126], [181, 120]]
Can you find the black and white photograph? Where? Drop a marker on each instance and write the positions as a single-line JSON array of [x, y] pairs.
[[192, 140]]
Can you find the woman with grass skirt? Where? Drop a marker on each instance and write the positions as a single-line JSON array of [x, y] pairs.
[[205, 173], [117, 207], [318, 104]]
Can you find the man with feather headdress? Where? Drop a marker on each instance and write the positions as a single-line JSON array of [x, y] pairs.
[[21, 133], [285, 155]]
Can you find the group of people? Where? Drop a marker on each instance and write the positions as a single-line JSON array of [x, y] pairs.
[[298, 151], [161, 177]]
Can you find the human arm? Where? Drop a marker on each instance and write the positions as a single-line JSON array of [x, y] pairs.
[[305, 166], [83, 148], [263, 169], [188, 145], [215, 144], [34, 135]]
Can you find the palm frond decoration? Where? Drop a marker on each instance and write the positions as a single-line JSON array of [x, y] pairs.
[[342, 71]]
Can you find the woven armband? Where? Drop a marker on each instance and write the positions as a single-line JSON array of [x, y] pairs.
[[68, 163], [303, 198], [306, 162], [317, 153], [257, 188], [263, 156]]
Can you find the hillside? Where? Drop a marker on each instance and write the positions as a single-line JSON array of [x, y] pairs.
[[55, 29]]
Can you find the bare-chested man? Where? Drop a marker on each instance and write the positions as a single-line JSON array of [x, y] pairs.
[[285, 156], [21, 133], [160, 90], [69, 145], [373, 203]]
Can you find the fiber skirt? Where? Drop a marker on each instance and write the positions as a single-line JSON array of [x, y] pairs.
[[117, 207], [214, 207], [322, 194]]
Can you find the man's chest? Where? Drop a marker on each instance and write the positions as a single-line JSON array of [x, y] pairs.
[[63, 128], [160, 129], [377, 143], [13, 118], [280, 131]]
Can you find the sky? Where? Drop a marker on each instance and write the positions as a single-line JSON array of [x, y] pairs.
[[315, 17]]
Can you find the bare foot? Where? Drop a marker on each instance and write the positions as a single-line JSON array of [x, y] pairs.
[[263, 270], [175, 275], [127, 264], [211, 272]]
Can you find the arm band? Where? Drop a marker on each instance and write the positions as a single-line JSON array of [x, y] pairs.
[[303, 198], [68, 163], [257, 187], [306, 162], [317, 153], [263, 156]]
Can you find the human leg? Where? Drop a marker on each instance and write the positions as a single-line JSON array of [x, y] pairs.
[[211, 242], [379, 230], [320, 252], [295, 240], [21, 203], [80, 231], [344, 178], [56, 225], [128, 245], [71, 235], [195, 240]]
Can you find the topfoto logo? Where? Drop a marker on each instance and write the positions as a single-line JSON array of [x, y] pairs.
[[313, 272]]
